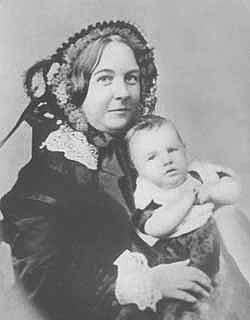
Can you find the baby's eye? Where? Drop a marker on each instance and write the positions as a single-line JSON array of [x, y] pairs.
[[105, 79], [152, 157], [170, 150], [132, 79]]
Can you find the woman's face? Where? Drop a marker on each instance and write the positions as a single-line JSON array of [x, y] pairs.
[[114, 89]]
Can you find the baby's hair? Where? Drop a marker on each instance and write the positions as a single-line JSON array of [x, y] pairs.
[[149, 122]]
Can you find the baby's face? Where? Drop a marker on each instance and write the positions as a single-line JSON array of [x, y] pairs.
[[159, 156]]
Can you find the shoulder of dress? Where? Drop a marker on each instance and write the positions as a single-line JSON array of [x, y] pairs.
[[73, 144]]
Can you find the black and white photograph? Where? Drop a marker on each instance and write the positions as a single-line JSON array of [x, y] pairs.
[[124, 152]]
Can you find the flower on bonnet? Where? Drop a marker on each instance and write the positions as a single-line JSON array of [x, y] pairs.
[[38, 85]]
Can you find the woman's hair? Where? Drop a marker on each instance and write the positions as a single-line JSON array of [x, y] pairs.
[[65, 76], [88, 59]]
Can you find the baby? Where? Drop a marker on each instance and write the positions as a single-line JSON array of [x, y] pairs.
[[175, 201]]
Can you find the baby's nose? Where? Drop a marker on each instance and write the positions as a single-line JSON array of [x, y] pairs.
[[166, 158]]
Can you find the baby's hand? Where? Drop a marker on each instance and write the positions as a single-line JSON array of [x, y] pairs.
[[191, 194], [204, 193]]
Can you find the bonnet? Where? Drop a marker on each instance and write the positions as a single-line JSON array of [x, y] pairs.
[[49, 86]]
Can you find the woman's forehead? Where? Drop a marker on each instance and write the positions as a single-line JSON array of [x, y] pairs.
[[117, 56]]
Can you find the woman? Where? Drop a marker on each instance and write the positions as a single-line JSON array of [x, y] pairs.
[[67, 216]]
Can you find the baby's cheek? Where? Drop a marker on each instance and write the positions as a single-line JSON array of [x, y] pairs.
[[154, 172]]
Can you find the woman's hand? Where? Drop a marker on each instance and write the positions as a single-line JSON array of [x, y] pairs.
[[180, 281]]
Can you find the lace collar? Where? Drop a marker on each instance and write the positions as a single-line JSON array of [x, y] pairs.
[[74, 145]]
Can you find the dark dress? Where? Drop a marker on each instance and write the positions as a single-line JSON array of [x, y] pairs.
[[67, 224], [66, 229]]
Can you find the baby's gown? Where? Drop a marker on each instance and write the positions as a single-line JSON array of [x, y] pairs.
[[230, 299]]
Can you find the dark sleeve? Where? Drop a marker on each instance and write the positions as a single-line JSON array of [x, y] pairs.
[[64, 242], [140, 217]]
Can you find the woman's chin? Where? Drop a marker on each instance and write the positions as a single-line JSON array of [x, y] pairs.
[[118, 124]]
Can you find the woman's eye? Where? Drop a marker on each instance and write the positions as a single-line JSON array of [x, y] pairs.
[[105, 80], [132, 79], [151, 157]]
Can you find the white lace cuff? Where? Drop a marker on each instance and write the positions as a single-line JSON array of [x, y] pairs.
[[135, 283]]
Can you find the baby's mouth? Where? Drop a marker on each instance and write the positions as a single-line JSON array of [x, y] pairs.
[[170, 171]]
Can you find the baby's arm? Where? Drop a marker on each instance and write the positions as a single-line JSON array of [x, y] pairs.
[[225, 191], [166, 218]]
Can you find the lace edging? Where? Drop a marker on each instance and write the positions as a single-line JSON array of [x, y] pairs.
[[134, 281], [74, 145]]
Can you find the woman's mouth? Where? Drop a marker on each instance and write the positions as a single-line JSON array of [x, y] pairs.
[[119, 110]]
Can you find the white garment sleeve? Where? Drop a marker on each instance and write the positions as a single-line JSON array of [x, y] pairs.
[[142, 195], [209, 171], [135, 281]]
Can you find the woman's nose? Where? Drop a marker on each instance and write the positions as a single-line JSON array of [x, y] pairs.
[[120, 89]]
